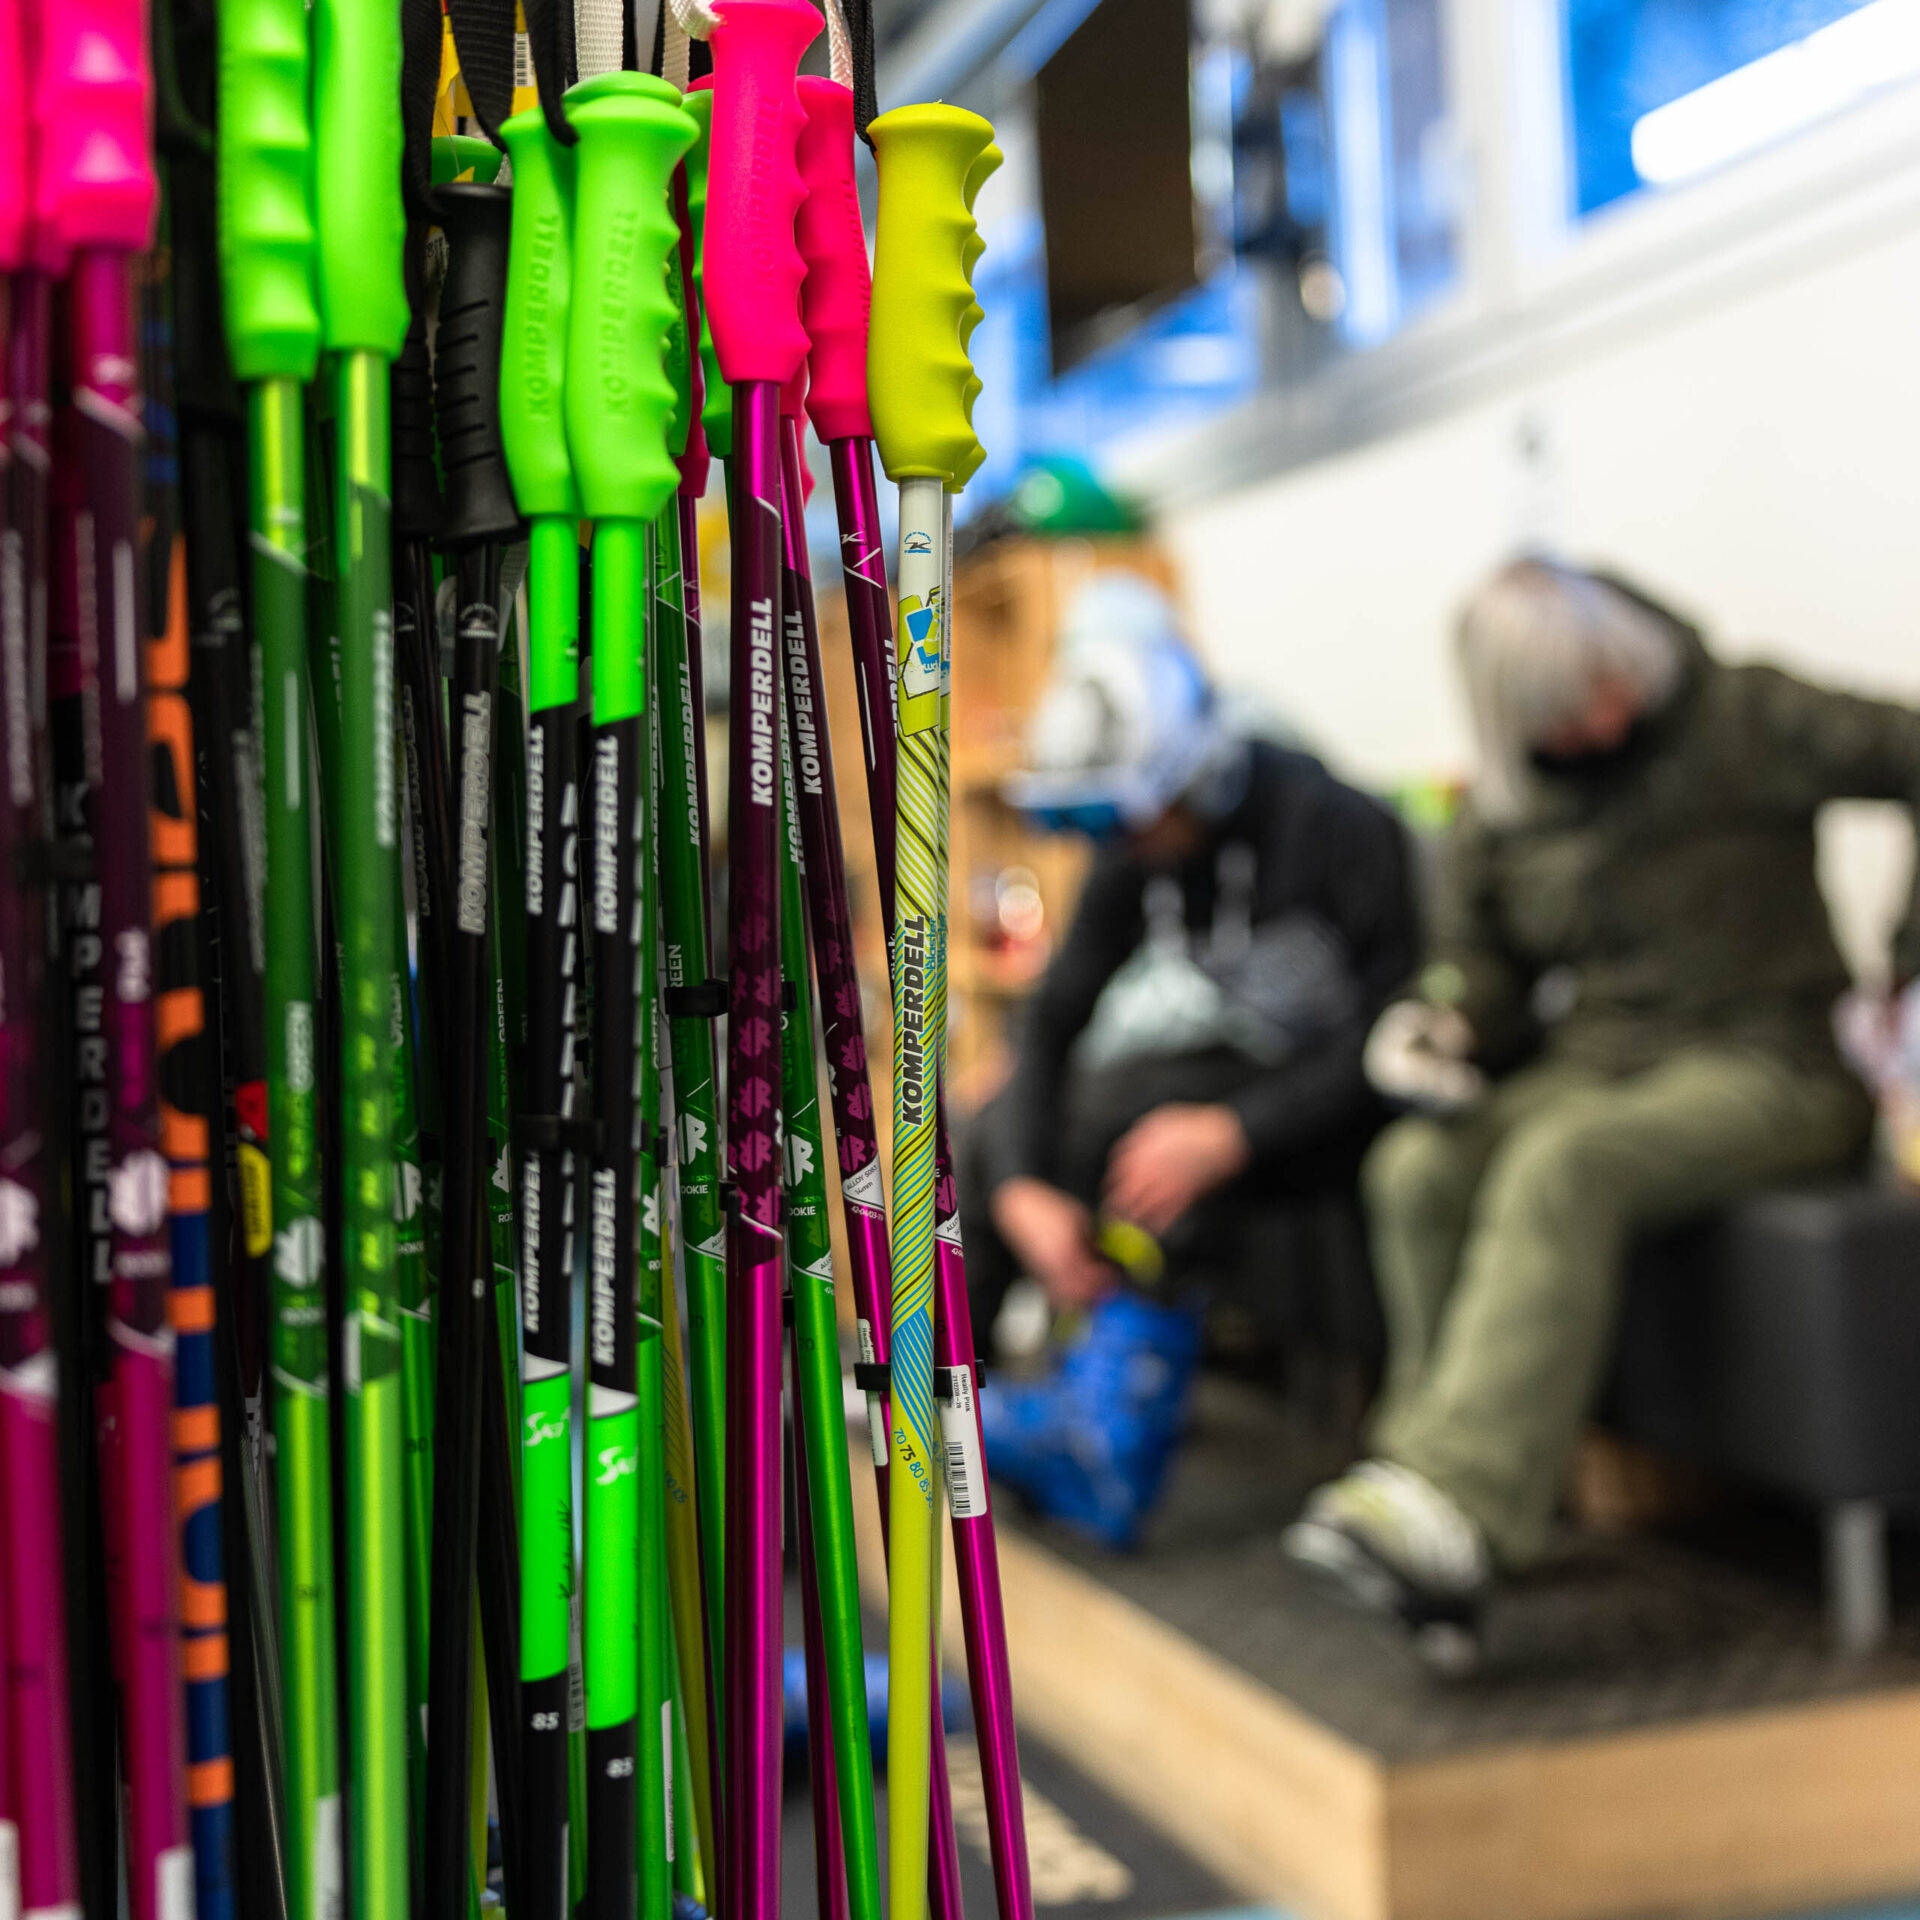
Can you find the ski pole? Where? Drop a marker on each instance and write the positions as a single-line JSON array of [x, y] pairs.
[[533, 433], [273, 330], [693, 998], [23, 1296], [976, 1564], [632, 133], [653, 1772], [917, 373], [43, 1867], [201, 466], [95, 188], [821, 1410], [752, 285], [180, 1034], [479, 516], [689, 1615], [361, 234], [418, 993], [976, 1555], [687, 1003], [829, 1856], [834, 302], [711, 437]]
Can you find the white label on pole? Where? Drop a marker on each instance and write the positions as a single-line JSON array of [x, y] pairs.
[[876, 1427], [329, 1869], [666, 1766], [173, 1884], [9, 1871], [960, 1433]]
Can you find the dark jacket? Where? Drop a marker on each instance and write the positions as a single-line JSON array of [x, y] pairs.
[[1670, 893], [1319, 848]]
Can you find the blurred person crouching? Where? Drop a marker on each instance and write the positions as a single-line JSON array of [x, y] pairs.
[[1627, 1019], [1193, 1049]]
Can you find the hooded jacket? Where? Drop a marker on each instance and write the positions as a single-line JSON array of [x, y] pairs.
[[1319, 847], [1665, 896]]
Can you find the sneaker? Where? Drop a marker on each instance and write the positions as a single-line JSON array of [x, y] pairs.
[[1394, 1544], [1089, 1445]]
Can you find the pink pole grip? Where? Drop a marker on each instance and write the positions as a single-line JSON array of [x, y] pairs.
[[838, 290], [753, 268], [94, 184], [16, 207]]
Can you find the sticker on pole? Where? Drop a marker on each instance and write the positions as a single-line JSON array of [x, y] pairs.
[[920, 666], [960, 1438]]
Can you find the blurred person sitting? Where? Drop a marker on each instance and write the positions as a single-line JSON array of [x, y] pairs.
[[1626, 1020], [1194, 1046]]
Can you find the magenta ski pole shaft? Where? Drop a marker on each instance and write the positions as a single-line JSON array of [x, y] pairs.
[[753, 1497], [95, 191], [752, 285], [35, 1706], [152, 1702]]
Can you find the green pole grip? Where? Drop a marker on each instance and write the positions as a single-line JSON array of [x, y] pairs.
[[716, 414], [633, 133], [265, 184], [917, 369], [533, 348], [359, 220]]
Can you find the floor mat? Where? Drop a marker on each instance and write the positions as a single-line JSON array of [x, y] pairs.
[[1091, 1858], [1613, 1631]]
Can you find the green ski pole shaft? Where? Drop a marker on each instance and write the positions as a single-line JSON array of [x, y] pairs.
[[692, 1001], [821, 1408], [533, 433], [632, 133], [693, 1805], [422, 735], [363, 319], [654, 1758], [273, 326]]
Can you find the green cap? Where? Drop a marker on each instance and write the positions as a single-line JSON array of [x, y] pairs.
[[265, 185], [458, 153], [633, 133]]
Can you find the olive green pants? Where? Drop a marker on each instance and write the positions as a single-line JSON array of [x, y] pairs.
[[1499, 1236]]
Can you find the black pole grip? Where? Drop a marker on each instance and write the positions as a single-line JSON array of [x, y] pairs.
[[479, 502], [416, 476]]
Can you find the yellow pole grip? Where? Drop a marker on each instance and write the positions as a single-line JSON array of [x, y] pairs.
[[917, 366]]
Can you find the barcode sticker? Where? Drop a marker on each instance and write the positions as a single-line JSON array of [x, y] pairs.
[[522, 61], [960, 1433], [876, 1427]]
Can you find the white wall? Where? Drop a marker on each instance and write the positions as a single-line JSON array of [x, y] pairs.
[[1758, 462]]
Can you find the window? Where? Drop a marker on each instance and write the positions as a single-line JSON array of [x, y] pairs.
[[1343, 166], [1663, 91]]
